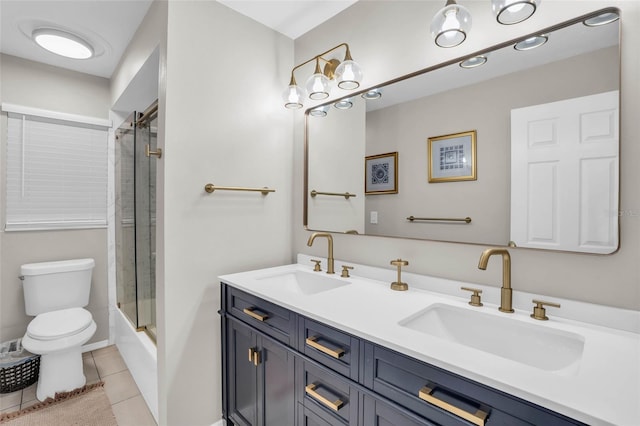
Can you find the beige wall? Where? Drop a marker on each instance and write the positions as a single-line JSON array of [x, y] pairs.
[[486, 108], [224, 124], [390, 39], [42, 86]]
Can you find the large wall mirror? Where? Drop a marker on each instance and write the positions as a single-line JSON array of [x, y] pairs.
[[505, 147]]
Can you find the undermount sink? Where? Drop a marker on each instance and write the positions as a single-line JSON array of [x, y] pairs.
[[303, 282], [532, 344]]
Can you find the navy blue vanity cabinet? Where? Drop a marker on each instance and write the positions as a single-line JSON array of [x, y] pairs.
[[332, 348], [269, 318], [283, 369], [330, 396], [446, 398], [380, 413], [260, 383]]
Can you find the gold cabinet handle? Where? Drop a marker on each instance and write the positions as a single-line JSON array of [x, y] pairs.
[[254, 356], [311, 391], [312, 341], [254, 314], [478, 418]]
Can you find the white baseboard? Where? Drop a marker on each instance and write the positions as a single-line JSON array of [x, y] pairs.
[[94, 346], [219, 423]]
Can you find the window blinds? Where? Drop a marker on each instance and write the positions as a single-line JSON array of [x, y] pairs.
[[56, 173]]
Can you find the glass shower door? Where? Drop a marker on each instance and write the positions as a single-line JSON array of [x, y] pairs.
[[136, 220]]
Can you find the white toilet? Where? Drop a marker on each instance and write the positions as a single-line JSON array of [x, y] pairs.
[[56, 292]]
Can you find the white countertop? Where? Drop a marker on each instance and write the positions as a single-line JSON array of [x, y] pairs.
[[603, 389]]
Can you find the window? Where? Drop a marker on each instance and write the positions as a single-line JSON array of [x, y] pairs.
[[56, 170]]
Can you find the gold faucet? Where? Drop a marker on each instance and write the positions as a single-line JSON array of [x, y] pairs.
[[505, 292], [330, 261]]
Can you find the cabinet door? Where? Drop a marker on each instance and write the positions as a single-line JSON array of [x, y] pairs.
[[378, 413], [243, 374], [276, 380]]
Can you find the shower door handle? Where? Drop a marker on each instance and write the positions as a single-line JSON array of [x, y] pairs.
[[149, 153]]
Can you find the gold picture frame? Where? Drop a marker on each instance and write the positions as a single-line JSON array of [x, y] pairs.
[[452, 158], [381, 174]]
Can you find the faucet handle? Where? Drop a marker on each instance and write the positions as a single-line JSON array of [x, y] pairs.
[[475, 297], [345, 271], [317, 267], [399, 285], [539, 312]]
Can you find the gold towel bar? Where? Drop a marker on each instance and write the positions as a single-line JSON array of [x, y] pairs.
[[346, 195], [211, 187], [447, 219]]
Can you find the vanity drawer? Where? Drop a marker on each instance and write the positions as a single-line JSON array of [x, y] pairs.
[[329, 395], [435, 393], [335, 349], [271, 319], [308, 417]]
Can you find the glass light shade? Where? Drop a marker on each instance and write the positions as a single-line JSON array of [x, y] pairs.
[[318, 86], [349, 75], [531, 43], [603, 19], [320, 111], [62, 43], [344, 103], [293, 96], [473, 62], [372, 94], [509, 12], [449, 27]]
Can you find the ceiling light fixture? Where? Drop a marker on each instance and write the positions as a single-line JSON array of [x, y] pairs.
[[509, 12], [531, 43], [347, 75], [450, 26], [62, 43]]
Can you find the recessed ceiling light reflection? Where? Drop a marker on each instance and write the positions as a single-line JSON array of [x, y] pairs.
[[320, 111], [372, 94], [344, 103], [602, 19], [62, 43], [476, 61], [531, 42]]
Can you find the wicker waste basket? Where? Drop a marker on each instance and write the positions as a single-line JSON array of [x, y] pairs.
[[18, 367]]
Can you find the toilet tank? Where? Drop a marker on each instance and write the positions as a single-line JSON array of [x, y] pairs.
[[50, 286]]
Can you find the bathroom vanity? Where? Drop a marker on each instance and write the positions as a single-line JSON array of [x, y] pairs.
[[307, 348]]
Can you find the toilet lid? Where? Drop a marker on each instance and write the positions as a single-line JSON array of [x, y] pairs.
[[58, 324]]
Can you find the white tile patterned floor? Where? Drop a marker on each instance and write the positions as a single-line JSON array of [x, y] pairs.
[[103, 364]]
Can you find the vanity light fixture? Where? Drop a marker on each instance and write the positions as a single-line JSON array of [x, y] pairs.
[[345, 103], [372, 94], [473, 62], [603, 19], [449, 27], [62, 43], [318, 84], [531, 42], [347, 75], [508, 12]]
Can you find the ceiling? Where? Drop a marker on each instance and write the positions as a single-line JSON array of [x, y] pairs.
[[109, 25]]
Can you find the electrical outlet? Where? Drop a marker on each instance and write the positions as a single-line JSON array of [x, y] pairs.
[[374, 217]]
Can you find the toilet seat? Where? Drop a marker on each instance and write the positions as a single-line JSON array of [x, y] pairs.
[[59, 324]]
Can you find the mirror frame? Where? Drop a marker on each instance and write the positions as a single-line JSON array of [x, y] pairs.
[[456, 60]]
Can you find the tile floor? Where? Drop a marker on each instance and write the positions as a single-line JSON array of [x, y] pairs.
[[103, 364]]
